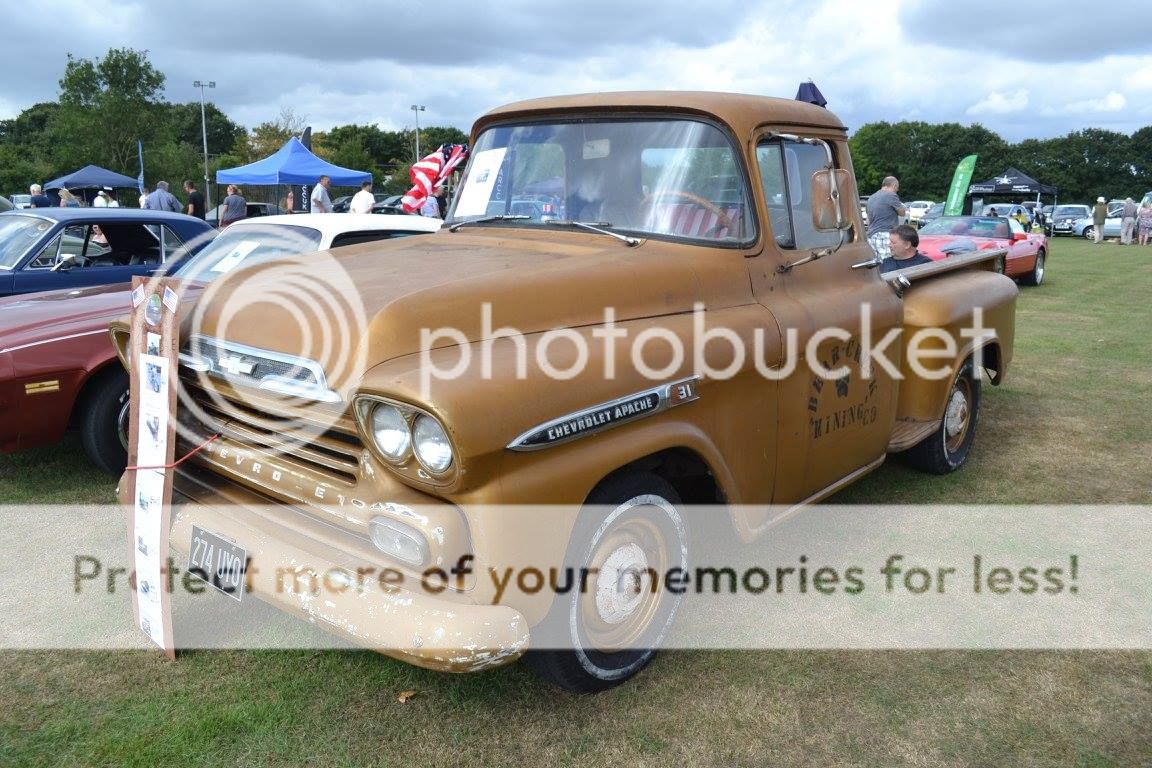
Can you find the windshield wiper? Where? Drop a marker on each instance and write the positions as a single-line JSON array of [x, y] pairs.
[[595, 226], [483, 219]]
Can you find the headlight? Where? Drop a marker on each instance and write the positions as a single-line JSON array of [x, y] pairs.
[[390, 431], [432, 447]]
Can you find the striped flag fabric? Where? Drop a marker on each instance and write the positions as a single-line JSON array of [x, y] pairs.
[[428, 175]]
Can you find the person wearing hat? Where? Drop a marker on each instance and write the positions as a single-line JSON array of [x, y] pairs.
[[101, 200], [1127, 221], [1099, 215]]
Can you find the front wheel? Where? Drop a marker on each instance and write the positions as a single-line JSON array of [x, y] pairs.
[[1089, 233], [946, 449], [629, 536], [104, 422], [1036, 276]]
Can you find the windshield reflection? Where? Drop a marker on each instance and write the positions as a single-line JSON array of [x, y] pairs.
[[248, 245], [670, 178]]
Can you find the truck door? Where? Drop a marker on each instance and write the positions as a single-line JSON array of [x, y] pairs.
[[834, 422]]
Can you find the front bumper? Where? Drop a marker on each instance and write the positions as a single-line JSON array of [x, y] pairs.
[[351, 599]]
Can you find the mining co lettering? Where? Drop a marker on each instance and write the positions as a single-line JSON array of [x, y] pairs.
[[599, 418], [861, 413]]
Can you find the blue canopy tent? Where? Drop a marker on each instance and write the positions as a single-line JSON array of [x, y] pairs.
[[92, 177], [291, 164]]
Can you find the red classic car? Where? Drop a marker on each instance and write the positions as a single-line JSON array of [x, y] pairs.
[[57, 363], [1027, 252]]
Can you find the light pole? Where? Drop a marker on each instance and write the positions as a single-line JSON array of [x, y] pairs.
[[416, 110], [204, 132]]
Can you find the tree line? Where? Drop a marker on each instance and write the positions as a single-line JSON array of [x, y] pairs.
[[107, 104], [1083, 165]]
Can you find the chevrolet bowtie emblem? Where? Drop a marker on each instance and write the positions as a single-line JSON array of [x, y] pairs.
[[234, 365]]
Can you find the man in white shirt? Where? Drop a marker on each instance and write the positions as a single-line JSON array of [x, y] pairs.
[[321, 203], [101, 200], [363, 200], [431, 208]]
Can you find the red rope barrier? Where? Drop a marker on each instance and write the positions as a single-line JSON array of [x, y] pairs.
[[186, 456]]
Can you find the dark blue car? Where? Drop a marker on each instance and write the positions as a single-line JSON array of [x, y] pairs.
[[42, 249]]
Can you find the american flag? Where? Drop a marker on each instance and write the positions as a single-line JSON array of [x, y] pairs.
[[428, 175]]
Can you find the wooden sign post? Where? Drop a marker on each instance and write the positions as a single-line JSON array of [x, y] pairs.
[[147, 487]]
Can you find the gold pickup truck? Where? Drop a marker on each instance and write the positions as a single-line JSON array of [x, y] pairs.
[[638, 303]]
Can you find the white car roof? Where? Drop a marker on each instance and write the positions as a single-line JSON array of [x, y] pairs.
[[332, 224]]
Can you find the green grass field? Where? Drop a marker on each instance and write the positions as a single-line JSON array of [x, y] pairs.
[[1070, 425]]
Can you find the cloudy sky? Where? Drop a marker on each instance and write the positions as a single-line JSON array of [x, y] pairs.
[[1021, 69]]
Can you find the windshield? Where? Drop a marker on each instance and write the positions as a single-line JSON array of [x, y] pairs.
[[675, 178], [246, 245], [18, 234], [971, 226], [1071, 210]]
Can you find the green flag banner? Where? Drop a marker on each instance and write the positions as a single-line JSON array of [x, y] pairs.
[[959, 187]]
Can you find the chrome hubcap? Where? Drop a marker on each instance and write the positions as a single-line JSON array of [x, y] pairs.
[[956, 417], [122, 424], [622, 583]]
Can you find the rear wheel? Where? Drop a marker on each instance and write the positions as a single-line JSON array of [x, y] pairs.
[[104, 422], [629, 535], [1036, 276], [946, 449]]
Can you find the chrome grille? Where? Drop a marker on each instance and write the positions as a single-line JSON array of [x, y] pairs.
[[258, 368], [331, 450]]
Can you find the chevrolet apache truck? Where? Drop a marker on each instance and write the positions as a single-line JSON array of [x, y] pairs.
[[526, 355]]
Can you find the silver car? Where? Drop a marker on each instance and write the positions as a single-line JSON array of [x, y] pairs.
[[1063, 218]]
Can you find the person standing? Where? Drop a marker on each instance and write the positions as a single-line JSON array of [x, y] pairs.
[[1127, 221], [162, 200], [144, 192], [39, 199], [431, 208], [233, 208], [101, 200], [195, 200], [320, 201], [363, 200], [884, 212], [1144, 223], [68, 200], [1099, 216]]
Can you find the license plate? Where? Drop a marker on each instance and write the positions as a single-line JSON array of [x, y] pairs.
[[217, 561]]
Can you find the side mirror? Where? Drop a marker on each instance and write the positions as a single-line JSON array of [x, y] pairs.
[[828, 210], [66, 263]]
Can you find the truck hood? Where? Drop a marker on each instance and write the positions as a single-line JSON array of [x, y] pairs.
[[38, 316], [530, 281]]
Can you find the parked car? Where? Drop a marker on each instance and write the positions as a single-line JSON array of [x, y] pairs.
[[45, 249], [933, 213], [21, 201], [1012, 210], [254, 210], [5, 204], [1086, 227], [916, 210], [392, 204], [1062, 220], [340, 204], [58, 366], [1027, 252]]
